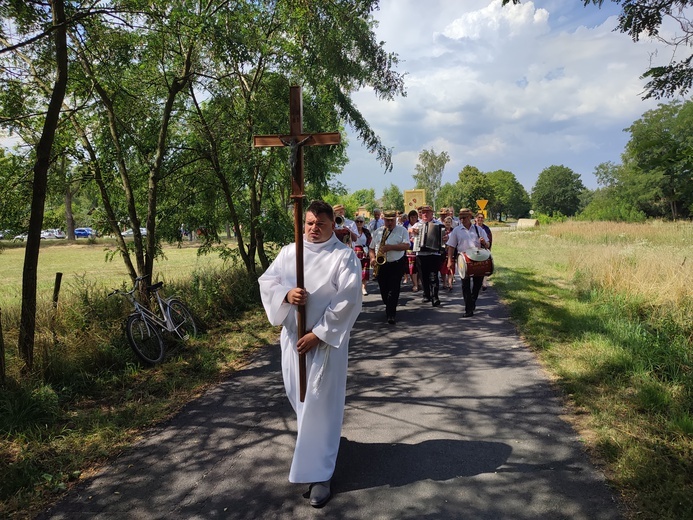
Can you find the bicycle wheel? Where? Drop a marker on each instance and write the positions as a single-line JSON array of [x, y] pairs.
[[182, 319], [145, 340]]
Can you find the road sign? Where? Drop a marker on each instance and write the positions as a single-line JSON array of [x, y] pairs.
[[482, 204]]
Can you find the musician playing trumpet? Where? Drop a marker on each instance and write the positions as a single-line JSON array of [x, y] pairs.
[[387, 254], [462, 238]]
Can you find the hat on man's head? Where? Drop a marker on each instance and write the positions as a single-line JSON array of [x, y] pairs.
[[466, 212], [425, 208], [442, 211], [390, 213], [337, 207]]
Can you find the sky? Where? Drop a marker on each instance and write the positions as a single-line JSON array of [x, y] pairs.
[[517, 88]]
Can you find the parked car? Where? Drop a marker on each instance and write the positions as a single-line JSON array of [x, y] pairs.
[[5, 234], [130, 232], [20, 238], [52, 233], [84, 232]]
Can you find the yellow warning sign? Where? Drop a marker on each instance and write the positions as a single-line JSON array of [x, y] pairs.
[[482, 204]]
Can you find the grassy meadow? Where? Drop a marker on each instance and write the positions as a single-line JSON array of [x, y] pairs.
[[86, 262], [608, 308]]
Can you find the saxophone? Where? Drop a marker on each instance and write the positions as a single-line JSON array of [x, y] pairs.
[[380, 257]]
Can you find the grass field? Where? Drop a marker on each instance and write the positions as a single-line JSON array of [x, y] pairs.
[[87, 261]]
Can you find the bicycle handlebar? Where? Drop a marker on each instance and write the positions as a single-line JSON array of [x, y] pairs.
[[131, 291]]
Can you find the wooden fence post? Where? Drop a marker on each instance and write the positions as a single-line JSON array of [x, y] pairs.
[[56, 293], [2, 354]]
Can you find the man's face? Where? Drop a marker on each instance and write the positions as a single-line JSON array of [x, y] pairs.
[[390, 223], [427, 216], [318, 228], [339, 213], [376, 214], [466, 219]]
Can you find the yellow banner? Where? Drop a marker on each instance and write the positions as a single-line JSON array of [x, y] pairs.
[[413, 199]]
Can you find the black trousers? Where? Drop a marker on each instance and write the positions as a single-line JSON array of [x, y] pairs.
[[471, 285], [390, 281], [428, 266]]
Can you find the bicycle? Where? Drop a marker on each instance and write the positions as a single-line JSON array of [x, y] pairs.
[[144, 327]]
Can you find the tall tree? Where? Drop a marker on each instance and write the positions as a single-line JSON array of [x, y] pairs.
[[661, 148], [640, 18], [557, 190], [473, 185], [510, 197], [429, 172], [393, 198], [28, 19]]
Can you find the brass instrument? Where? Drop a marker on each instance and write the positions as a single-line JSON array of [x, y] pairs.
[[380, 257], [339, 221]]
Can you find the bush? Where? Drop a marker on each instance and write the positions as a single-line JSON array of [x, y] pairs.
[[599, 210]]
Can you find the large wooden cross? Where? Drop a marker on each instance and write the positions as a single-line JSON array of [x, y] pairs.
[[296, 140]]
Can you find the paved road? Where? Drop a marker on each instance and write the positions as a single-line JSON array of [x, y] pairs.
[[447, 418]]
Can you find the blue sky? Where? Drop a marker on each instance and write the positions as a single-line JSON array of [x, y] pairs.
[[518, 88]]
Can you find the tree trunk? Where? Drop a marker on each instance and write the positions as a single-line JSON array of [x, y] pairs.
[[27, 325], [69, 216]]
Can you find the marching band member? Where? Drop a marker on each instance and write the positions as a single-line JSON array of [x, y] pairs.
[[348, 223], [463, 237], [388, 246], [427, 261], [360, 245]]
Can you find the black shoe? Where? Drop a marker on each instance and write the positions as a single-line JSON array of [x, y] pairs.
[[436, 302], [320, 493], [426, 300], [483, 287], [391, 321], [469, 314]]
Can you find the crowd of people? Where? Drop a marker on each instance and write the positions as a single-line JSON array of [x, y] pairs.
[[339, 257], [425, 265]]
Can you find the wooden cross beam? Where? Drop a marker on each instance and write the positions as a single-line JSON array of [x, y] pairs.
[[296, 140]]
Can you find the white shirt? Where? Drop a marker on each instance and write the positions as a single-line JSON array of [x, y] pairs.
[[462, 238], [333, 282], [361, 240], [398, 235]]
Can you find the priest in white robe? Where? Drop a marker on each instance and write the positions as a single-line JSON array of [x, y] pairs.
[[332, 297]]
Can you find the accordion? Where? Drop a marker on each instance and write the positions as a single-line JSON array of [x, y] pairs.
[[432, 237]]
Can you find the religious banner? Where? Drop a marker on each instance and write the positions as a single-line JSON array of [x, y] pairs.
[[413, 199]]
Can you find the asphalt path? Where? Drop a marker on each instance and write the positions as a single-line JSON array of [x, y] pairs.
[[446, 418]]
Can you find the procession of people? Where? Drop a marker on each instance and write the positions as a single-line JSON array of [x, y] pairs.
[[338, 257]]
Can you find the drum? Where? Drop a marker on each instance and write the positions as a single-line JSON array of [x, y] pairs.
[[475, 262]]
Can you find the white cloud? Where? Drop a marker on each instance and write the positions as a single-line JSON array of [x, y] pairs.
[[518, 88]]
